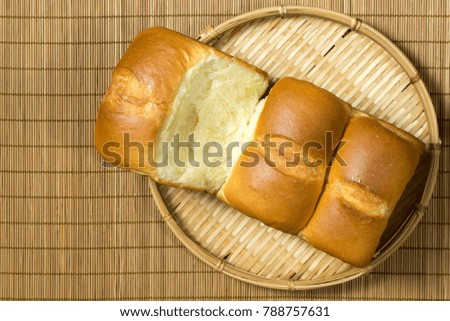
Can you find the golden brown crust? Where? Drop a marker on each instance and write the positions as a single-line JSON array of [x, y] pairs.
[[303, 113], [143, 87], [282, 197], [343, 231], [268, 194], [359, 198], [377, 157]]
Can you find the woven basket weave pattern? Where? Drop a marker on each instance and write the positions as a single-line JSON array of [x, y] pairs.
[[347, 63]]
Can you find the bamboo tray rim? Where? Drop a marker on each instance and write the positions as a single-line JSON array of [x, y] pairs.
[[355, 24]]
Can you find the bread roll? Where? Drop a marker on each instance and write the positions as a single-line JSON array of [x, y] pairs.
[[167, 87], [360, 195], [278, 190]]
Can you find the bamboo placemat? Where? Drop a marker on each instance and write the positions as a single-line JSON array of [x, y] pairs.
[[72, 229]]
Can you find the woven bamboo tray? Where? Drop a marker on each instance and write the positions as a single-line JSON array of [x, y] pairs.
[[358, 64]]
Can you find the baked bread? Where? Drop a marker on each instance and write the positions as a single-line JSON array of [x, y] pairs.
[[360, 195], [169, 90], [165, 88], [281, 185]]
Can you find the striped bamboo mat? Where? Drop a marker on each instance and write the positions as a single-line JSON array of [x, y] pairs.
[[71, 229]]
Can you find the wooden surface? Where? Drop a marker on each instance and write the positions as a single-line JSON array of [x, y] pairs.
[[72, 229]]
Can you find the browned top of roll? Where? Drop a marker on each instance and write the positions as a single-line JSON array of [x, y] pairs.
[[361, 194], [283, 192], [302, 112], [264, 189], [378, 156]]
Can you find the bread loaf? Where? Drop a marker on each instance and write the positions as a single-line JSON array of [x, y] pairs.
[[165, 88], [278, 190], [360, 196], [169, 89]]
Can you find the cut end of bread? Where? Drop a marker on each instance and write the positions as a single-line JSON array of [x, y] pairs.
[[210, 116]]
